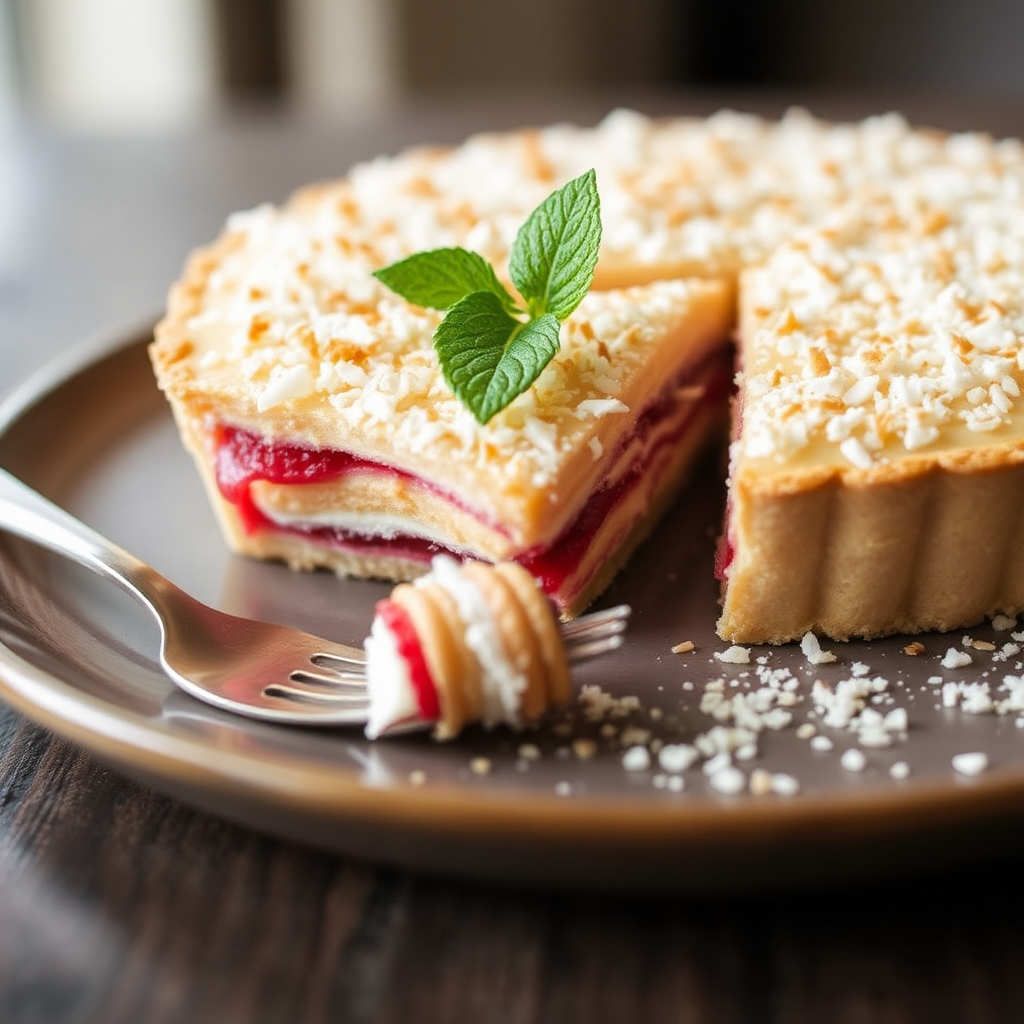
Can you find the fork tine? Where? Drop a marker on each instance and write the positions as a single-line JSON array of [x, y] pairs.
[[331, 659], [318, 695], [343, 679], [331, 681], [587, 637], [595, 620], [601, 629], [593, 648], [596, 636]]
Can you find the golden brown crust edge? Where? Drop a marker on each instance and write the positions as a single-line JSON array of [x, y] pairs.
[[937, 551], [171, 348]]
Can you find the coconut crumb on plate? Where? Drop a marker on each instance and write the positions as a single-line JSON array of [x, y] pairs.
[[971, 763]]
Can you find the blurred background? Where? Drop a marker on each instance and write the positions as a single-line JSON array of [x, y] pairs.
[[145, 65], [129, 129]]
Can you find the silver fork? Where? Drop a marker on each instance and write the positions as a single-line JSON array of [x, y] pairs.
[[251, 668]]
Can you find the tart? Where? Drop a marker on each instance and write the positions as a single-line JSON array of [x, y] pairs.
[[870, 273]]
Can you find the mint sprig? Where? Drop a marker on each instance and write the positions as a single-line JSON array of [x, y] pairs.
[[489, 354]]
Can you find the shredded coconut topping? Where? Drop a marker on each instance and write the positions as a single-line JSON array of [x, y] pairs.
[[884, 300], [389, 681], [894, 324]]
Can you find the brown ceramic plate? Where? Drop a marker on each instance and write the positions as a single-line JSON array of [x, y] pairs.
[[79, 657]]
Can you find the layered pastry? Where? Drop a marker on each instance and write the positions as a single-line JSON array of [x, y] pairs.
[[466, 643], [870, 271], [336, 443]]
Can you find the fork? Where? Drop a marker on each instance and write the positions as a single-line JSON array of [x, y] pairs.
[[257, 669]]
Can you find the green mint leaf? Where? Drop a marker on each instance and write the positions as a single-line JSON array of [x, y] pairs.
[[439, 278], [553, 257], [487, 356]]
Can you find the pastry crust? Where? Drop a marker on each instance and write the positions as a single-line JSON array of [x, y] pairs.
[[938, 550], [550, 649], [515, 628], [455, 673]]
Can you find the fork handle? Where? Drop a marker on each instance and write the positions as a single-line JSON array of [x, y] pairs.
[[28, 514]]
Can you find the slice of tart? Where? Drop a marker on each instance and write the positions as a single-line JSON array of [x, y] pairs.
[[312, 401], [877, 475]]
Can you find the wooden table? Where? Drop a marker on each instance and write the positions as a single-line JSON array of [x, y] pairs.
[[120, 905]]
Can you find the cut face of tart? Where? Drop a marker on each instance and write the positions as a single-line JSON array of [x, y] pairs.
[[337, 443]]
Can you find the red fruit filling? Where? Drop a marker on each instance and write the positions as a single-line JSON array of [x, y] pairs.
[[724, 553], [725, 550], [553, 565], [398, 622], [243, 457]]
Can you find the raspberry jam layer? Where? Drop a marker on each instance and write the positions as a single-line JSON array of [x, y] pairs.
[[725, 549], [396, 619], [243, 458], [553, 565]]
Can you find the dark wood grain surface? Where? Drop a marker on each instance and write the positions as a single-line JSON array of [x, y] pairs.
[[120, 905]]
